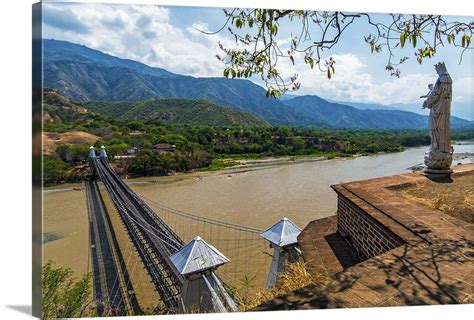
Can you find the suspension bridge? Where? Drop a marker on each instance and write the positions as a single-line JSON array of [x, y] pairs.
[[192, 261]]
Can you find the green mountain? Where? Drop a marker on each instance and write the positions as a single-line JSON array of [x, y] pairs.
[[344, 116], [85, 74], [196, 112], [55, 50]]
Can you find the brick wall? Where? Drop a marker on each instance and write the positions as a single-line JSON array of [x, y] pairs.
[[366, 235]]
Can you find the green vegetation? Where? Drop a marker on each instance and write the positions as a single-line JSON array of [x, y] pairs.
[[54, 170], [176, 111], [315, 34], [63, 296], [212, 147]]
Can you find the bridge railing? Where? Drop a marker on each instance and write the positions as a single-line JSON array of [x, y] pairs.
[[249, 253]]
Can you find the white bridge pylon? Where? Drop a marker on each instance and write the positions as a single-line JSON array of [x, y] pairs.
[[283, 238], [202, 291]]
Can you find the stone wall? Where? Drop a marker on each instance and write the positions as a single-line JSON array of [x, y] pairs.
[[366, 235]]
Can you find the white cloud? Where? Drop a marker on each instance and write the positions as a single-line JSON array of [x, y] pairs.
[[463, 89], [145, 33], [142, 33], [352, 82]]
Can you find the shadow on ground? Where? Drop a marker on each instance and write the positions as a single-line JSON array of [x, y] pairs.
[[25, 309], [420, 274]]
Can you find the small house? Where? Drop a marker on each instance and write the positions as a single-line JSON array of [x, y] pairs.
[[164, 148]]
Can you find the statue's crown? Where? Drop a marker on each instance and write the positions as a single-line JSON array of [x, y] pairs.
[[440, 64]]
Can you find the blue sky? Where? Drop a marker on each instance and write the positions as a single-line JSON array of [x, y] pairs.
[[166, 37]]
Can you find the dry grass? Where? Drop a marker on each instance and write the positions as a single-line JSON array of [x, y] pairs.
[[455, 198], [52, 139], [295, 277]]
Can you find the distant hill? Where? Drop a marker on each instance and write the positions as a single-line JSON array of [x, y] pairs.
[[55, 50], [85, 74], [340, 115], [459, 109], [196, 112], [58, 108], [365, 106]]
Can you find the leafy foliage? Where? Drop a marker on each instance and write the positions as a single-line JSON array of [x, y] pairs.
[[54, 170], [63, 296], [259, 48]]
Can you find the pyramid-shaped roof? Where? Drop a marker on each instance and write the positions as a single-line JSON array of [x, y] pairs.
[[282, 233], [197, 256]]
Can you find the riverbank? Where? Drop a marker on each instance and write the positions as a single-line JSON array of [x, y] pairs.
[[464, 153]]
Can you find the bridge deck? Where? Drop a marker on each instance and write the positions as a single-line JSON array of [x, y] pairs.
[[112, 286], [152, 238]]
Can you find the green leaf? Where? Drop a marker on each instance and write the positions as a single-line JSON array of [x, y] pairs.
[[402, 39], [413, 40], [465, 41], [293, 43], [239, 23], [274, 29], [329, 74], [309, 60], [226, 72]]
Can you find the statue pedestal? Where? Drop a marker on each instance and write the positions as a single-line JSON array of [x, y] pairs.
[[438, 162], [437, 171]]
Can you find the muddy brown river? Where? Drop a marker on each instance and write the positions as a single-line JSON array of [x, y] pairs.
[[258, 197]]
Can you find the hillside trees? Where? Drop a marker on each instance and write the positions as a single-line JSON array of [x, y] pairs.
[[54, 170]]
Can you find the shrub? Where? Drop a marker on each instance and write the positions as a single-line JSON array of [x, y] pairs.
[[62, 296]]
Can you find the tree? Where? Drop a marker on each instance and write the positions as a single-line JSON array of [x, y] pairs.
[[258, 48], [63, 297], [54, 170]]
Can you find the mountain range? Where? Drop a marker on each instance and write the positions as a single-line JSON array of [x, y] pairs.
[[459, 109], [85, 74], [176, 111], [197, 112]]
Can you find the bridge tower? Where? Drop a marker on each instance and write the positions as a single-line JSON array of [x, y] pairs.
[[283, 239], [91, 152], [102, 153], [92, 156], [202, 291]]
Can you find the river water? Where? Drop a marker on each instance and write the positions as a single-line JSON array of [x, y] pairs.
[[262, 196]]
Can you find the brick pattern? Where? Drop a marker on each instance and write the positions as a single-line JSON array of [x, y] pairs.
[[366, 235], [324, 250]]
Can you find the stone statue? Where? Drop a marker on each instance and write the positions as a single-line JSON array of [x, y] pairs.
[[439, 157]]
